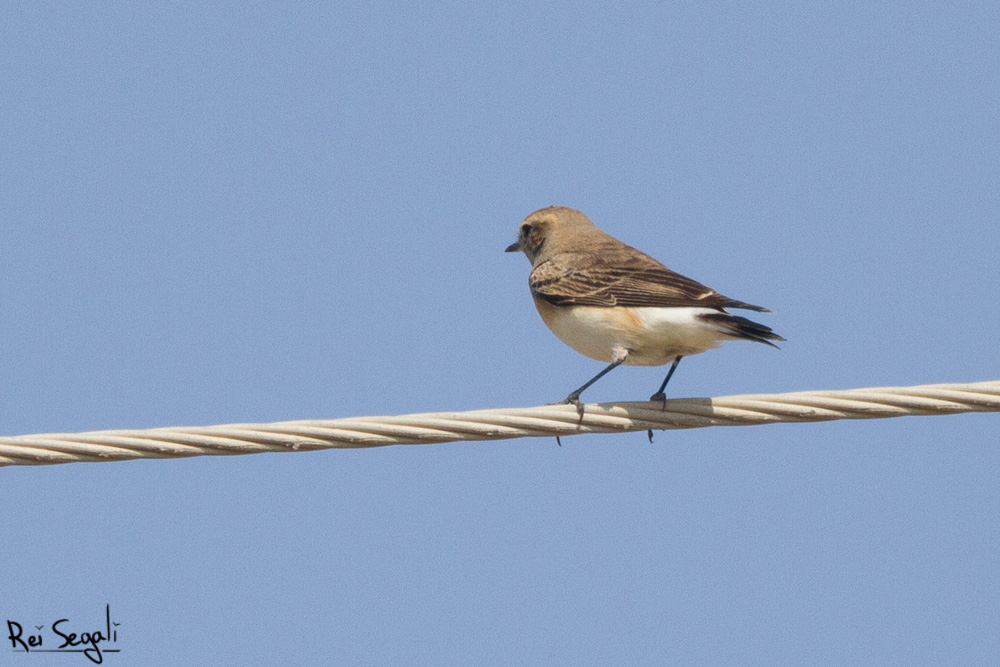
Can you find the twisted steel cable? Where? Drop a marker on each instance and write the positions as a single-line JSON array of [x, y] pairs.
[[500, 424]]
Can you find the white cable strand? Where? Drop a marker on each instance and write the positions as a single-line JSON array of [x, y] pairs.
[[500, 424]]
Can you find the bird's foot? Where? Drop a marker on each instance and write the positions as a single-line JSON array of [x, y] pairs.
[[661, 397], [574, 399], [571, 400]]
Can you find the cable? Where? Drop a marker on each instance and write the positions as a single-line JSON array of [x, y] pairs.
[[500, 424]]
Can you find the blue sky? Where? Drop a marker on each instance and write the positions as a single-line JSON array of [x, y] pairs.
[[250, 212]]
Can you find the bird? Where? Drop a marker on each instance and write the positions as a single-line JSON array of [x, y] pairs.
[[616, 304]]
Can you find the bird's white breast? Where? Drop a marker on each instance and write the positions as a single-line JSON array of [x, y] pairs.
[[650, 336]]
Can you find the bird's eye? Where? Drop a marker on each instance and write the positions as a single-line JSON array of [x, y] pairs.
[[525, 230]]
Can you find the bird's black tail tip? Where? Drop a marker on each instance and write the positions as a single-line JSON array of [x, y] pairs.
[[740, 327]]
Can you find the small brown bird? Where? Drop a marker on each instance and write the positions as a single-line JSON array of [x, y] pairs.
[[613, 303]]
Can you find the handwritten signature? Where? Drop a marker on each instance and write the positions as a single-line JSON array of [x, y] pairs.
[[88, 643]]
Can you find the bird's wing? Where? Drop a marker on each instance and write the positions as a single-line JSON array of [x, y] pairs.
[[633, 280]]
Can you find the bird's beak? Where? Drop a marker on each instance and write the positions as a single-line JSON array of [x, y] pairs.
[[513, 247]]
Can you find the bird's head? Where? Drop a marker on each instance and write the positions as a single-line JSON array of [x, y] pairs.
[[544, 228]]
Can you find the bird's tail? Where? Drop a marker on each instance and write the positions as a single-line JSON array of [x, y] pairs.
[[741, 327]]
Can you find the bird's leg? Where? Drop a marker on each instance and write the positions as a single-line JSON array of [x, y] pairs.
[[659, 395], [574, 397]]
